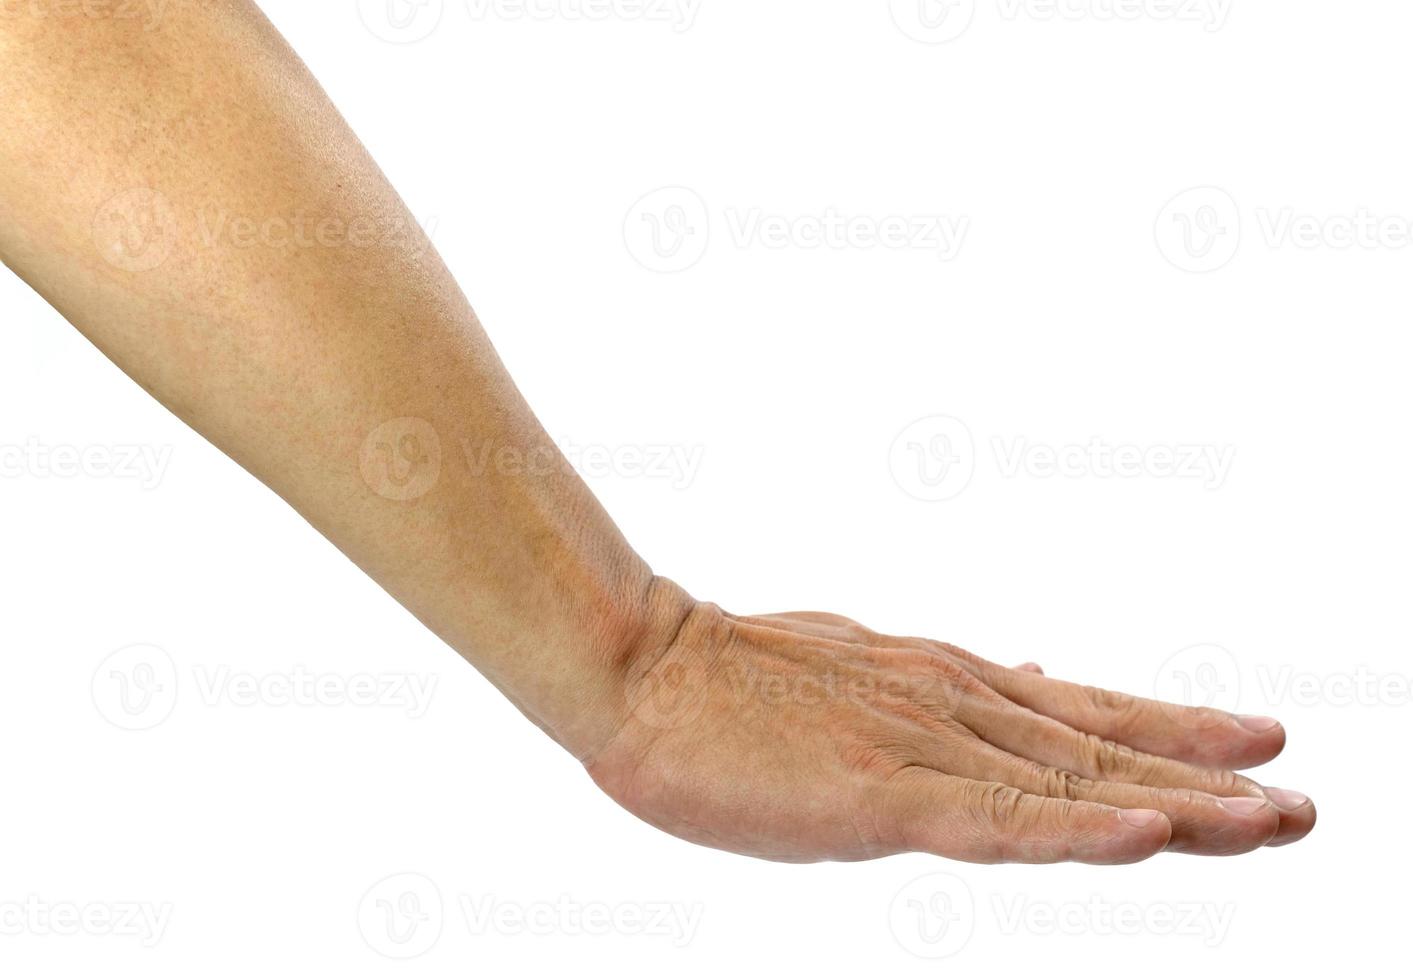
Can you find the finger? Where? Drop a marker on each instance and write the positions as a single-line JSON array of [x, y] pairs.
[[816, 623], [1024, 733], [1204, 736], [1297, 815], [1202, 823], [989, 822]]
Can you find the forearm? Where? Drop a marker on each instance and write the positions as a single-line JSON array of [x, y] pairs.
[[189, 199]]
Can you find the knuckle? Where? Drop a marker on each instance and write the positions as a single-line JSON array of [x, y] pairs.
[[1065, 785], [1232, 784], [931, 682], [961, 682], [1013, 831], [1185, 797], [957, 655], [950, 670], [876, 755], [998, 805], [1110, 759], [1109, 702], [876, 833], [1247, 785]]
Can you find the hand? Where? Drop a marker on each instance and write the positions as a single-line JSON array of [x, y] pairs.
[[806, 736]]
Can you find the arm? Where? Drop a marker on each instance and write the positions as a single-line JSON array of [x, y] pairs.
[[346, 370], [190, 200]]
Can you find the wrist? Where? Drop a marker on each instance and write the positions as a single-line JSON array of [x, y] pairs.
[[633, 633], [571, 674]]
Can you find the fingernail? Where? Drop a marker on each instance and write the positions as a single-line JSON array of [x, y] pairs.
[[1244, 805], [1138, 818], [1031, 668], [1256, 723], [1286, 799]]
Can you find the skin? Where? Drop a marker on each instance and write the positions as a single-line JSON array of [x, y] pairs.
[[189, 199]]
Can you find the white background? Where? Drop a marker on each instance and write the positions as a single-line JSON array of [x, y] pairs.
[[1068, 319]]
